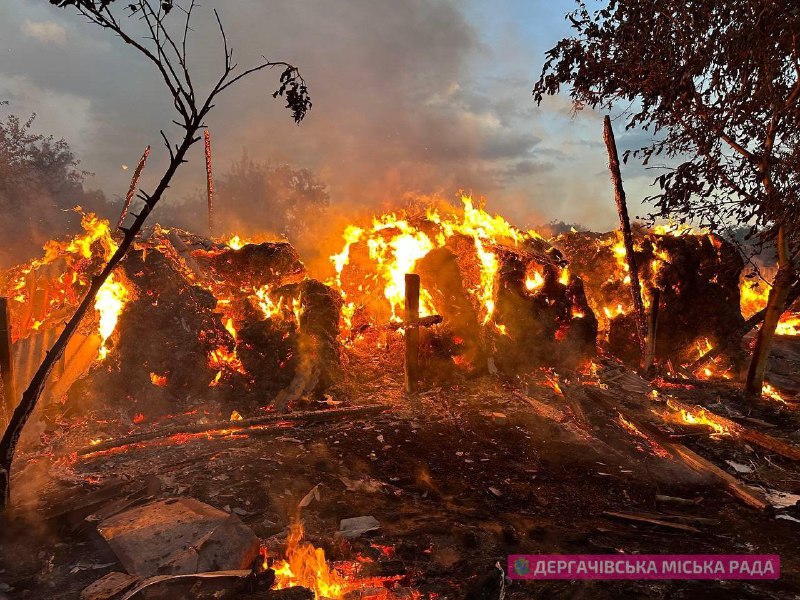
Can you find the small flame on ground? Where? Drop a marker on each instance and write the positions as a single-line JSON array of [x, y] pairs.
[[158, 380]]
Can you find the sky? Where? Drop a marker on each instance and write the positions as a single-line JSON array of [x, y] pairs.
[[410, 96]]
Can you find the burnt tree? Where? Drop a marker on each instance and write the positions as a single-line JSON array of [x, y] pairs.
[[167, 52], [717, 86]]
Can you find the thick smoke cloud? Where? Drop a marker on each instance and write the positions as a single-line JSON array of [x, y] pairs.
[[409, 97]]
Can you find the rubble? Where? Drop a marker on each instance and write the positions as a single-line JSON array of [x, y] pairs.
[[179, 536]]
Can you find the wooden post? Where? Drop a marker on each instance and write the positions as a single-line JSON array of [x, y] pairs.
[[209, 183], [411, 321], [652, 330], [6, 363], [134, 185], [627, 235]]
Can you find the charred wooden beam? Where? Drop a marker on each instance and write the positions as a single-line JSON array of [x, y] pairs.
[[428, 321], [314, 416], [740, 431], [627, 235], [6, 363], [691, 459], [411, 323]]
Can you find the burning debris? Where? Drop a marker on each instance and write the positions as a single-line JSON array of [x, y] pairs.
[[696, 277], [503, 293]]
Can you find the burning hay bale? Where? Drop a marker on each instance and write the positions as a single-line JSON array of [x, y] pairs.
[[166, 328], [503, 293], [697, 277]]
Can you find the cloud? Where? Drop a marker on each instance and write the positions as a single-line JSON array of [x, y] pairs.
[[47, 32]]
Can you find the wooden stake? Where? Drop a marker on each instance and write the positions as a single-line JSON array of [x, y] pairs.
[[6, 363], [652, 330], [209, 183], [134, 185], [412, 332], [627, 235]]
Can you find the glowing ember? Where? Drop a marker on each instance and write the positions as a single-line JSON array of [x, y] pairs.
[[655, 447], [158, 380], [235, 416]]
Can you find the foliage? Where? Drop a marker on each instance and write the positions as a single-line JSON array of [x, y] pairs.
[[269, 197], [714, 83], [39, 179]]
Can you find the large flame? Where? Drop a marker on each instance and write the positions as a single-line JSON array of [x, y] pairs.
[[396, 246], [110, 300]]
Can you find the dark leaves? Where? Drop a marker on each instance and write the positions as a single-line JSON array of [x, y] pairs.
[[293, 88]]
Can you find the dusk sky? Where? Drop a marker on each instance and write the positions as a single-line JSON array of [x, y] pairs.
[[414, 96]]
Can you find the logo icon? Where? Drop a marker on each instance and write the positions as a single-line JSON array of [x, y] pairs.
[[522, 566]]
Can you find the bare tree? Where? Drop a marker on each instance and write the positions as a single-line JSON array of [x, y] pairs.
[[167, 52]]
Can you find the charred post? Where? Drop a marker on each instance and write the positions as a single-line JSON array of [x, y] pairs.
[[412, 332], [652, 330], [209, 183], [134, 186], [627, 235]]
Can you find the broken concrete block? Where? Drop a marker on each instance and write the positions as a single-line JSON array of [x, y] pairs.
[[109, 586], [179, 536], [357, 526]]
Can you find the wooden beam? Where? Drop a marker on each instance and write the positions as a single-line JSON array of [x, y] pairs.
[[411, 320], [6, 363], [740, 431], [627, 235], [691, 459]]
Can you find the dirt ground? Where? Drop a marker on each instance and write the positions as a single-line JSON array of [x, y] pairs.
[[454, 486]]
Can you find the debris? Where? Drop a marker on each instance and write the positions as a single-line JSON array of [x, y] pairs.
[[368, 485], [499, 418], [780, 499], [739, 467], [496, 492], [109, 586], [357, 526], [676, 500], [652, 521], [179, 536], [313, 494]]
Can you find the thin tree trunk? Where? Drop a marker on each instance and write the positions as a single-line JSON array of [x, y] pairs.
[[627, 235], [31, 395], [775, 303]]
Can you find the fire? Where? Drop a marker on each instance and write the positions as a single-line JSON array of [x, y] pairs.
[[754, 297], [396, 246], [236, 243], [770, 392], [699, 417], [158, 380], [305, 565], [398, 256], [111, 299]]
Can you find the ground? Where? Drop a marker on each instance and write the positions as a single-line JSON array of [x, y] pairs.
[[454, 487]]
